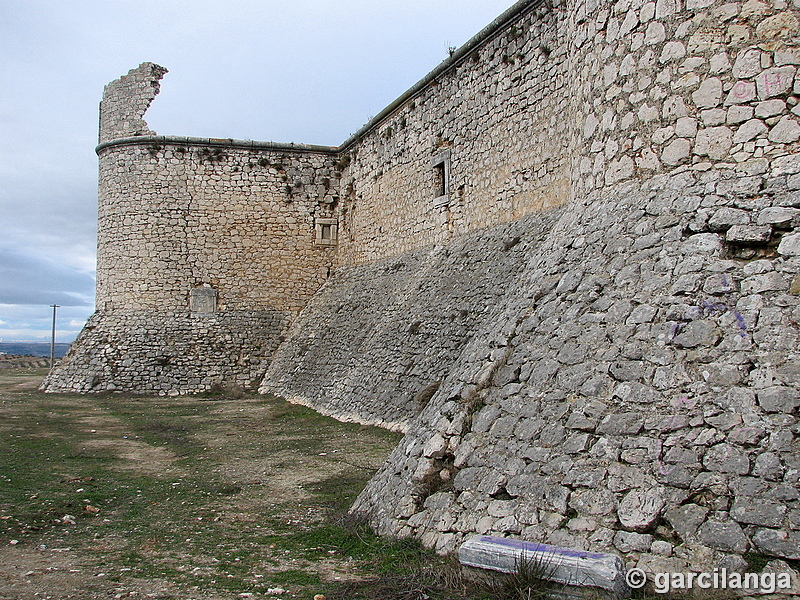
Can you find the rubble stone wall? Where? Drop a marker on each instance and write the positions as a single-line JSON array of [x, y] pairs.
[[176, 214], [202, 244], [496, 112], [376, 341], [568, 266], [636, 392]]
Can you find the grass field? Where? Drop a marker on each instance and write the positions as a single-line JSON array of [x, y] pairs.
[[119, 496]]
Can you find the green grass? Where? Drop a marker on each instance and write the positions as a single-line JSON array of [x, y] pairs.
[[196, 519], [197, 495]]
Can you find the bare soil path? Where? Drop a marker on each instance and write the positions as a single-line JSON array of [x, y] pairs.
[[120, 496]]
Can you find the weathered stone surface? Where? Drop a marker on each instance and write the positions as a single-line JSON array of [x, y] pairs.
[[629, 541], [686, 519], [741, 92], [621, 424], [676, 152], [785, 544], [726, 217], [764, 282], [769, 108], [709, 94], [747, 64], [758, 512], [725, 536], [786, 131], [775, 81], [713, 142], [790, 245], [698, 333], [779, 216], [777, 26], [641, 508], [703, 243], [125, 119], [686, 127], [748, 234], [778, 399], [749, 130], [725, 458]]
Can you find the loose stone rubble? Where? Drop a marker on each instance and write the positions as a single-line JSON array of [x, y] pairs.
[[566, 264]]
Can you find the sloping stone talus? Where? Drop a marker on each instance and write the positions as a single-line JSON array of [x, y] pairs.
[[637, 392], [376, 341], [170, 353]]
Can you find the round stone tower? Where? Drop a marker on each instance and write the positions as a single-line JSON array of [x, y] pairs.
[[207, 249]]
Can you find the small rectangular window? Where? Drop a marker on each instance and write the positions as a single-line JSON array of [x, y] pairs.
[[325, 232], [440, 166], [439, 180]]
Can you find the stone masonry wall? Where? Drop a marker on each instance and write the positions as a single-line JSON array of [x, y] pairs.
[[206, 252], [170, 353], [637, 392], [174, 215], [377, 340], [498, 111], [125, 100], [668, 86]]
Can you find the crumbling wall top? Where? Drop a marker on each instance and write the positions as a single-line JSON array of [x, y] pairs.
[[125, 100]]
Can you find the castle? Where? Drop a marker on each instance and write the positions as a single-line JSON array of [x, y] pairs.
[[566, 264]]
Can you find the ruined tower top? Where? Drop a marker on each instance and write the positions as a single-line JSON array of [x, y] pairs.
[[125, 100]]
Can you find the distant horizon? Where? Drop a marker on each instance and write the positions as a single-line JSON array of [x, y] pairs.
[[2, 341], [34, 341]]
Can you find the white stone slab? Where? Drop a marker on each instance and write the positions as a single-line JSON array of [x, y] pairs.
[[562, 565]]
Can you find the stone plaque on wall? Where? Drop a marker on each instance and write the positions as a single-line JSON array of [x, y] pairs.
[[203, 300]]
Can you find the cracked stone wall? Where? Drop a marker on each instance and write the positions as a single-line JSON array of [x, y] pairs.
[[181, 220]]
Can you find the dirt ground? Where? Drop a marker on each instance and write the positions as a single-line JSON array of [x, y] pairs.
[[119, 496]]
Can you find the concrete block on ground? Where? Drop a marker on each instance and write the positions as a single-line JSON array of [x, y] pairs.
[[561, 565]]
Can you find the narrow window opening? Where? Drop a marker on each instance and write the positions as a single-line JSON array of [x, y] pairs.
[[440, 165], [439, 180], [325, 232]]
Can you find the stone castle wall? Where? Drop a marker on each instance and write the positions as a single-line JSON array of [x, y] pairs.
[[207, 251], [377, 340], [671, 86], [637, 392], [125, 100], [175, 215], [493, 115], [589, 332]]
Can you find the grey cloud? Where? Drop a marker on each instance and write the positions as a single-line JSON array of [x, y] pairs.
[[31, 279]]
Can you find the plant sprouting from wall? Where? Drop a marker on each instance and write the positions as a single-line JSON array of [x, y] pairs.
[[344, 161], [212, 154]]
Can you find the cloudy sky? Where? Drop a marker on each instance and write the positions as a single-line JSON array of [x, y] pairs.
[[310, 71]]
